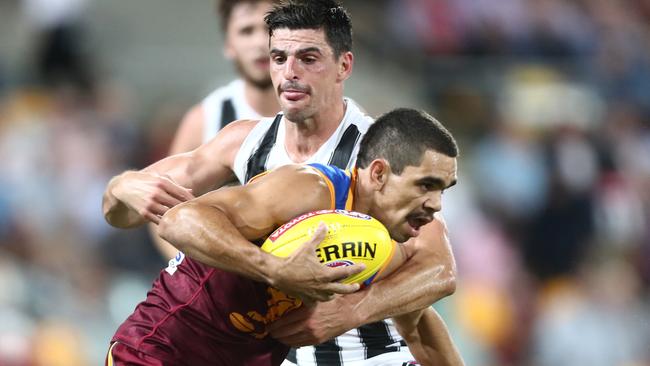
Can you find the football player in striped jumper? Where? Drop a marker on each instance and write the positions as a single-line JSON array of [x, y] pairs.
[[311, 57]]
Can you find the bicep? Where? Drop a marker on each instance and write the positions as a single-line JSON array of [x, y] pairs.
[[209, 166], [258, 208]]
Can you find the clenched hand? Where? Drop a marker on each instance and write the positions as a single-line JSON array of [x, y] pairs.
[[150, 194]]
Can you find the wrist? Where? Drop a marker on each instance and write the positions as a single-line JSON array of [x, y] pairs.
[[354, 306], [269, 267]]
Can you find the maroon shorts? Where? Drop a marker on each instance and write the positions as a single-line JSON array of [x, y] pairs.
[[121, 355]]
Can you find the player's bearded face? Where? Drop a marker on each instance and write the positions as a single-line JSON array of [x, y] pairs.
[[255, 71], [247, 43]]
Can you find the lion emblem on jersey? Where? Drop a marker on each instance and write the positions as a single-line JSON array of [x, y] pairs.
[[255, 323]]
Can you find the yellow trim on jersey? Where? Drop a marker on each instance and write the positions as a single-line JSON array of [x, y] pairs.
[[330, 186], [258, 176], [349, 202], [109, 358]]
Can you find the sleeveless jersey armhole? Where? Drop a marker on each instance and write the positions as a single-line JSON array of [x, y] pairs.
[[260, 175], [349, 202]]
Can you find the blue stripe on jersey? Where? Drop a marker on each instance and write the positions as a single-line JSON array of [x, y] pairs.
[[340, 181]]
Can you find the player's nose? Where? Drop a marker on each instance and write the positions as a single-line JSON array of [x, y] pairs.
[[433, 201], [290, 72]]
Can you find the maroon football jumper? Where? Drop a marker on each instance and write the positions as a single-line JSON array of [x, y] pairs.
[[198, 315]]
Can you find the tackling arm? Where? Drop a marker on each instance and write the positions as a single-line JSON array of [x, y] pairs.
[[188, 137], [428, 275], [135, 197], [217, 229], [428, 338]]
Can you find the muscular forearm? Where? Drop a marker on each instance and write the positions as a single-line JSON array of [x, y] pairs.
[[415, 286], [427, 276], [428, 338], [116, 212], [205, 233]]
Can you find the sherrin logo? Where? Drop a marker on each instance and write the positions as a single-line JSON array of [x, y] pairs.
[[351, 238], [358, 249]]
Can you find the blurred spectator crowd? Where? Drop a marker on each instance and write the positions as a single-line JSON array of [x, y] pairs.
[[550, 222]]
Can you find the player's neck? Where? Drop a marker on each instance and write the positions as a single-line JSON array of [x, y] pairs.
[[304, 138], [263, 101], [362, 193]]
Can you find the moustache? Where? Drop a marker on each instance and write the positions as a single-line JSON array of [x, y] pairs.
[[425, 215], [293, 86]]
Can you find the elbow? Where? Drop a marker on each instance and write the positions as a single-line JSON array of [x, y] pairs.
[[448, 280], [116, 217], [167, 223], [444, 284], [175, 222]]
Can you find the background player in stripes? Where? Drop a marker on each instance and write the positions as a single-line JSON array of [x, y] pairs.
[[311, 43]]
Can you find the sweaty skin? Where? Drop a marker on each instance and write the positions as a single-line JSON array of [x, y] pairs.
[[254, 211], [133, 198]]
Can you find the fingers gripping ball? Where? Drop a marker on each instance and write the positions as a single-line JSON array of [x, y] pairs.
[[351, 238]]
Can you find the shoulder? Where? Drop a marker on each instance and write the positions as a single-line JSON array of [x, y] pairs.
[[229, 139], [189, 134], [222, 92], [234, 133], [302, 178], [357, 116], [297, 174], [194, 116], [240, 127], [292, 189]]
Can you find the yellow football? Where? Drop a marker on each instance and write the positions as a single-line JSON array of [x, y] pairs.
[[352, 237]]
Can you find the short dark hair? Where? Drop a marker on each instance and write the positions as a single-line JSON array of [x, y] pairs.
[[224, 9], [402, 136], [314, 14]]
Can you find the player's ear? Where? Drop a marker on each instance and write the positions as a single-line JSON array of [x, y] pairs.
[[345, 63], [228, 50], [379, 171]]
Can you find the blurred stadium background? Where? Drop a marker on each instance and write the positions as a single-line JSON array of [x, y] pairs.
[[550, 222]]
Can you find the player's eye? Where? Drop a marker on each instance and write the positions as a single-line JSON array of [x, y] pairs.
[[309, 60], [246, 31]]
